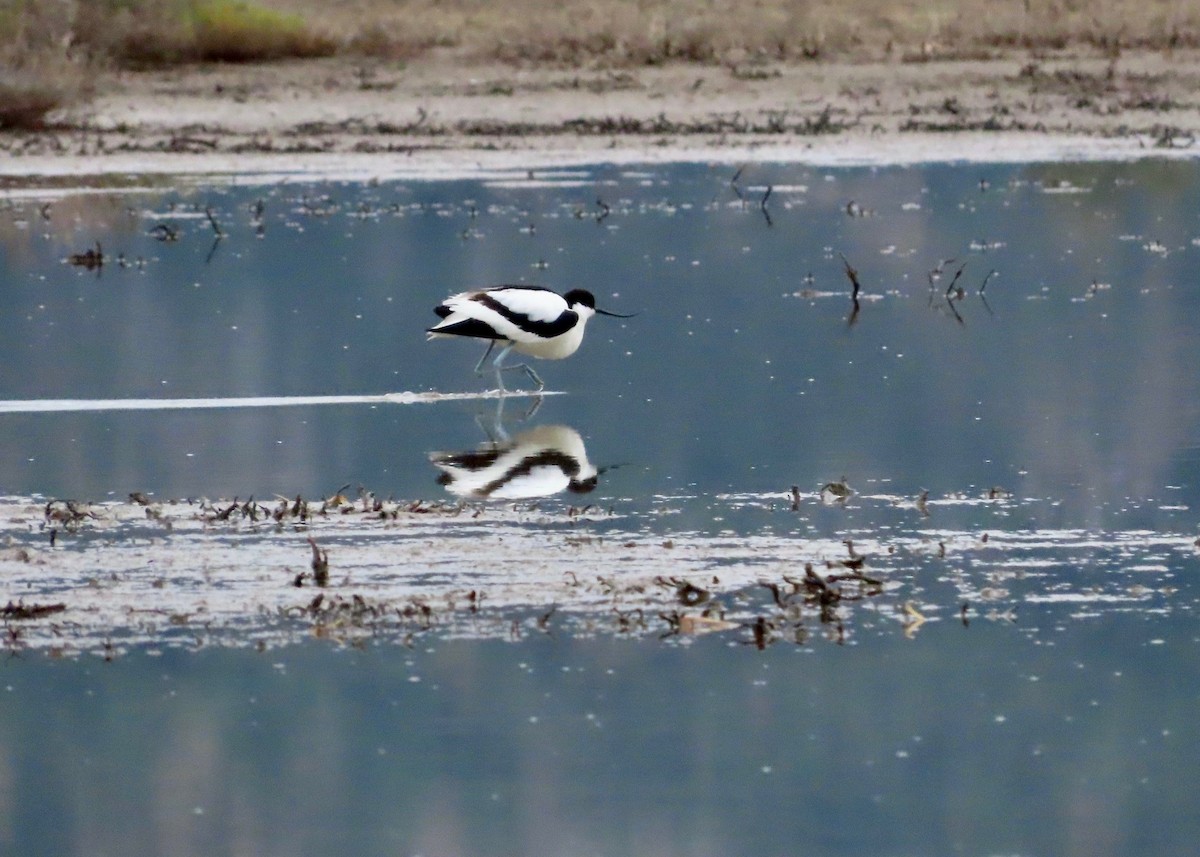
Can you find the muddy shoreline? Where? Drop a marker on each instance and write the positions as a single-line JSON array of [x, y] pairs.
[[340, 115]]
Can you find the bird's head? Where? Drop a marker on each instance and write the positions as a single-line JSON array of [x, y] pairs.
[[584, 302]]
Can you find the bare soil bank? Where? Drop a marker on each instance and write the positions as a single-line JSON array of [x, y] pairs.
[[1147, 101]]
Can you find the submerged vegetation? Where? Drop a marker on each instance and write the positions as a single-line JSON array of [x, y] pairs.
[[353, 570]]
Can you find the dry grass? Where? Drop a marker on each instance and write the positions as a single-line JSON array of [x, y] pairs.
[[48, 47], [36, 76], [638, 32], [26, 100], [578, 32], [63, 38]]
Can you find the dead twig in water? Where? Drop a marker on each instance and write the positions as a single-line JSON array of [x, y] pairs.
[[856, 287], [212, 221], [256, 218], [983, 285], [950, 290], [21, 610], [733, 183], [212, 251], [853, 317], [953, 292], [954, 311], [853, 275], [320, 563], [982, 297], [92, 259], [935, 274]]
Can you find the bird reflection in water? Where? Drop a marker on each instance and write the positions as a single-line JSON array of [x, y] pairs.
[[538, 462]]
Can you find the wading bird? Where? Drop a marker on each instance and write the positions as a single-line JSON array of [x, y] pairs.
[[527, 319]]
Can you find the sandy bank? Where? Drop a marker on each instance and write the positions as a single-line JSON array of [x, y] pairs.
[[440, 116]]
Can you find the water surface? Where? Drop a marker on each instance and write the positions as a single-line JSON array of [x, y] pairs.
[[1011, 672], [742, 373]]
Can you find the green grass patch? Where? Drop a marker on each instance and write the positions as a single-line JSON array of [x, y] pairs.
[[167, 32], [238, 31]]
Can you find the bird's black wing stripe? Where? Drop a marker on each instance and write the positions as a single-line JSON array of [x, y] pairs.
[[469, 327], [568, 464], [443, 309], [544, 329], [471, 460]]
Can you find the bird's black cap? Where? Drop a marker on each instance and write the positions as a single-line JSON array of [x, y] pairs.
[[583, 297], [580, 296]]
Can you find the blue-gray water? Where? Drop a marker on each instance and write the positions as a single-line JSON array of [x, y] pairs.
[[1073, 386], [984, 740], [724, 382]]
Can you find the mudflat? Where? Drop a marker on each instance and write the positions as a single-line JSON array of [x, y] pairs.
[[445, 108]]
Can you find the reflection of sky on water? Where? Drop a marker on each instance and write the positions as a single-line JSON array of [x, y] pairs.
[[1073, 382], [987, 740], [1063, 728]]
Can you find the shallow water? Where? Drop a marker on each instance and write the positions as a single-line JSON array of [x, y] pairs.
[[977, 741], [1074, 381], [500, 664]]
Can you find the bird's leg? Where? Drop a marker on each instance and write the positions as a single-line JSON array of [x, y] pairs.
[[479, 365], [528, 370], [496, 365], [537, 404], [495, 432], [541, 385]]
